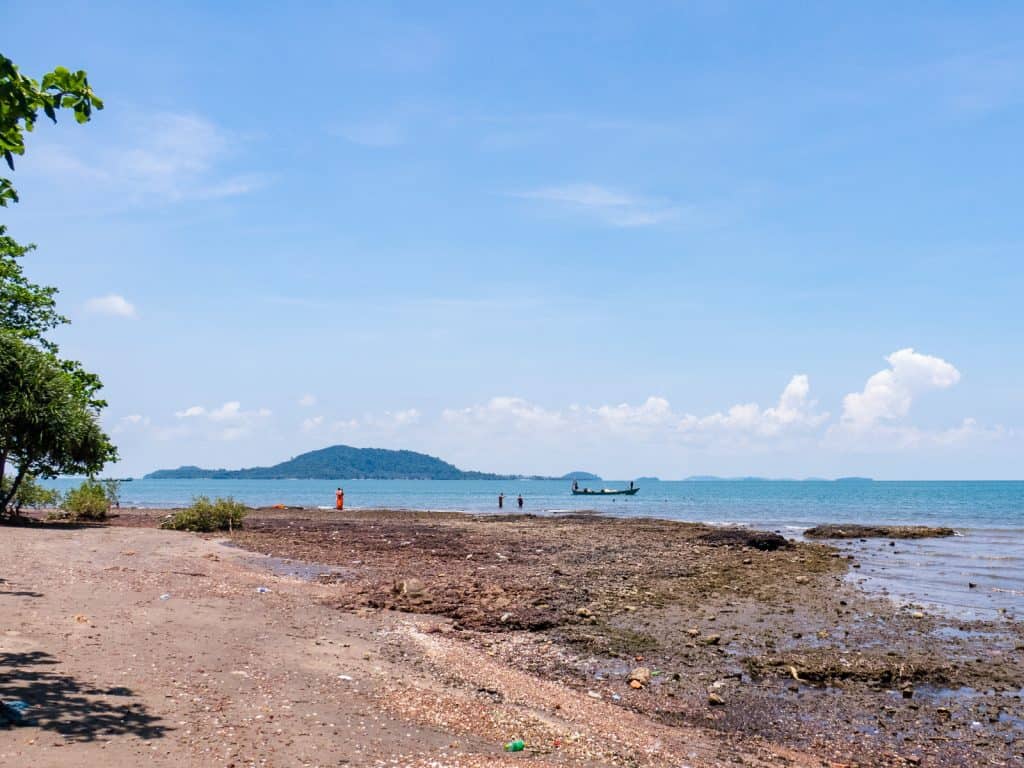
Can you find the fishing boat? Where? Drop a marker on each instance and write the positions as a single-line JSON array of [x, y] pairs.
[[605, 491]]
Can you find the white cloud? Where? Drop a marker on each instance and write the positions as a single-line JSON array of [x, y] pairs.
[[307, 401], [308, 425], [504, 412], [610, 206], [131, 422], [168, 157], [888, 394], [111, 304], [379, 425], [653, 419], [793, 414], [230, 411], [227, 422]]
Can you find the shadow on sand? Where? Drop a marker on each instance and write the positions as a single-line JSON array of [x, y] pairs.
[[60, 703]]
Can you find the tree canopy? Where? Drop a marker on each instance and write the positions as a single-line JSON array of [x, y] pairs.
[[49, 407], [48, 425], [26, 308], [21, 100]]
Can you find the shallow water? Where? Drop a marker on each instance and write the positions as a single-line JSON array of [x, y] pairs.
[[937, 574]]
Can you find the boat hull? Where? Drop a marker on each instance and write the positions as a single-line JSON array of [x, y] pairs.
[[606, 492]]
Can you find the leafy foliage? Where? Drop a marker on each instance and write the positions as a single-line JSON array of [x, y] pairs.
[[221, 514], [48, 420], [30, 495], [89, 501], [25, 308], [48, 407], [21, 100]]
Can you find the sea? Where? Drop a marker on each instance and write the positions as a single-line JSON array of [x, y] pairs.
[[934, 574]]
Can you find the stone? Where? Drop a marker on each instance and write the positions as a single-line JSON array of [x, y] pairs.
[[712, 639], [641, 676], [412, 587], [715, 700]]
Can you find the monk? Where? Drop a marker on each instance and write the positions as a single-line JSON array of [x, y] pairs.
[[339, 499]]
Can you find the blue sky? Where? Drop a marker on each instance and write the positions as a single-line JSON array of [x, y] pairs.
[[645, 238]]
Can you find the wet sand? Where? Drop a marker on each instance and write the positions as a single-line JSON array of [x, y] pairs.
[[741, 650]]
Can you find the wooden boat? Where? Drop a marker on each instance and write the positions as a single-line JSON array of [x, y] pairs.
[[605, 491]]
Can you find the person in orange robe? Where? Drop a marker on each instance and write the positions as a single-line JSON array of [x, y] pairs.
[[339, 499]]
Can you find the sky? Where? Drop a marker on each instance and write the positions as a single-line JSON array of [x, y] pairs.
[[646, 238]]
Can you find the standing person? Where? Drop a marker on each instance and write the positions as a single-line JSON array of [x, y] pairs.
[[339, 499], [501, 500], [519, 501], [575, 485]]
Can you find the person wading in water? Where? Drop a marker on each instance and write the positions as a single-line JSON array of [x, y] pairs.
[[339, 499], [501, 500], [519, 501]]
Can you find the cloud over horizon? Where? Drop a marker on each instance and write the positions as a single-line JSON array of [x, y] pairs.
[[874, 418], [112, 304]]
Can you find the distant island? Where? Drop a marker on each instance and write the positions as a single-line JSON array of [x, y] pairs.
[[579, 476], [343, 462]]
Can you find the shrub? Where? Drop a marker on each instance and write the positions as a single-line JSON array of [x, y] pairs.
[[30, 495], [90, 500], [204, 515]]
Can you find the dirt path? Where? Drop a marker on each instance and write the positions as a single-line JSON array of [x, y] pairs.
[[136, 646]]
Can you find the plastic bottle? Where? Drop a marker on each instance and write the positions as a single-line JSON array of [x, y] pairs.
[[515, 746]]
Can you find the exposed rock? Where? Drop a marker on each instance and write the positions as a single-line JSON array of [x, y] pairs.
[[715, 700], [412, 587], [641, 675], [744, 537], [854, 531]]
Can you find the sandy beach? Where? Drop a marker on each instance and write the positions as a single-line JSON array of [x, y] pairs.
[[399, 638]]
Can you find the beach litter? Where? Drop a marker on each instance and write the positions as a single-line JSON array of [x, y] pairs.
[[346, 678], [515, 746], [14, 710], [165, 596], [262, 590]]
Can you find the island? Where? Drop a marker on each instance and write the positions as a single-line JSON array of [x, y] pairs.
[[588, 476], [343, 462]]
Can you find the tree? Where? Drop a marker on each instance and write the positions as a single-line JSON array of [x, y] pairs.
[[48, 423], [26, 309], [21, 99], [49, 407]]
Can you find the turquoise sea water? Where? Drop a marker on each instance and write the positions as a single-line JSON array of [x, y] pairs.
[[753, 502], [989, 516]]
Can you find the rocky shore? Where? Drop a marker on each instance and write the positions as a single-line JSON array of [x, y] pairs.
[[603, 641], [740, 631]]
